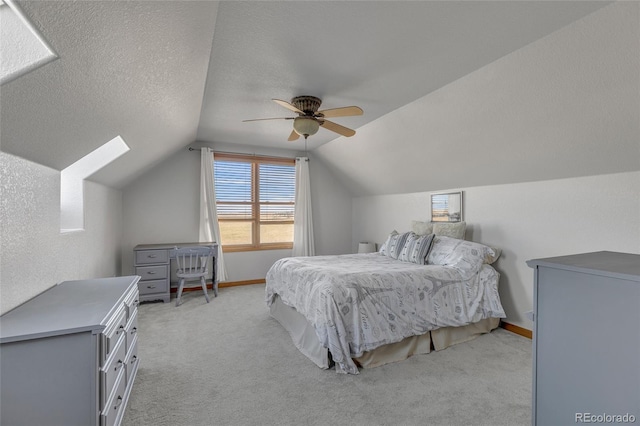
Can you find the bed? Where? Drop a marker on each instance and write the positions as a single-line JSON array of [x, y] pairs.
[[370, 309]]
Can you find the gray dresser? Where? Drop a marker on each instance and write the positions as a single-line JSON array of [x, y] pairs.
[[152, 263], [586, 339], [69, 355]]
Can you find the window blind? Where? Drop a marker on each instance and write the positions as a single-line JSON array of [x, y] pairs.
[[255, 198]]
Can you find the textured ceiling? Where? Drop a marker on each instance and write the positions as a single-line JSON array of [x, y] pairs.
[[377, 55], [135, 69], [139, 69]]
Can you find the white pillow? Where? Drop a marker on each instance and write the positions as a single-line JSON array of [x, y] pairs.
[[450, 229], [416, 248], [459, 254]]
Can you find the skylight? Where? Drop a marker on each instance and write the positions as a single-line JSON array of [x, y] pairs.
[[72, 182], [22, 47]]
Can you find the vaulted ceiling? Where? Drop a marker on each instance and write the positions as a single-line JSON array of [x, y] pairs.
[[379, 55], [164, 74]]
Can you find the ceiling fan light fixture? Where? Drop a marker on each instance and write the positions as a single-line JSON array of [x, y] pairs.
[[305, 126], [310, 119]]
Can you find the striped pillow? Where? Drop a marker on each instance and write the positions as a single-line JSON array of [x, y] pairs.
[[394, 244], [416, 248]]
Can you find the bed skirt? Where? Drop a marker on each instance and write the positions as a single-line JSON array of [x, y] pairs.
[[304, 338]]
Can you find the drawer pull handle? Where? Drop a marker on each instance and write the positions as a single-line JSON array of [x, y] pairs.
[[120, 329], [151, 272], [152, 256], [118, 365], [133, 359], [151, 286], [118, 402], [134, 329]]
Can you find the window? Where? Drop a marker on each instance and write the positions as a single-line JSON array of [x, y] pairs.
[[72, 182], [255, 200]]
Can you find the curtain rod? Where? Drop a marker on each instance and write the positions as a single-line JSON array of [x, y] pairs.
[[241, 153]]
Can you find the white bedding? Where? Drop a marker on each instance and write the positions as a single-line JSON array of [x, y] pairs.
[[359, 302]]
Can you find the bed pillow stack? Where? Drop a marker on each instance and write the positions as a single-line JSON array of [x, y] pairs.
[[433, 243]]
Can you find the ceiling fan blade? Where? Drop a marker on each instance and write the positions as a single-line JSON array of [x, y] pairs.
[[287, 105], [293, 136], [274, 118], [341, 112], [334, 127]]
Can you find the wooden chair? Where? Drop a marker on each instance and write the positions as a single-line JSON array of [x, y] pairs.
[[192, 265]]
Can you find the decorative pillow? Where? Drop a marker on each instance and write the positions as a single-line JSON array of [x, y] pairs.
[[422, 228], [394, 244], [459, 254], [450, 229], [416, 248], [383, 247]]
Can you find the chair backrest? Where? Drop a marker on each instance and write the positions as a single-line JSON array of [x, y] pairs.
[[193, 260]]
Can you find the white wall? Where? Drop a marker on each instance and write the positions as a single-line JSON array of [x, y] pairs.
[[162, 206], [34, 255], [527, 221]]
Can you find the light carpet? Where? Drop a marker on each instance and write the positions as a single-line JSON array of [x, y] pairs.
[[229, 363]]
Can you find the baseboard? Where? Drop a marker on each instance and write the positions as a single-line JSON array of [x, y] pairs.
[[192, 287], [517, 330], [196, 287], [245, 282]]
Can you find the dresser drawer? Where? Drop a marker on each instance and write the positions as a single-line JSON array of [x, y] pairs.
[[152, 272], [114, 405], [131, 361], [131, 330], [152, 256], [152, 287], [131, 302], [111, 370], [112, 333]]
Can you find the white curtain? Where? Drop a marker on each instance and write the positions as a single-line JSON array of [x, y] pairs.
[[209, 227], [303, 244]]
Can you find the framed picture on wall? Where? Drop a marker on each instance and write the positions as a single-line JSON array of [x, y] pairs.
[[446, 207]]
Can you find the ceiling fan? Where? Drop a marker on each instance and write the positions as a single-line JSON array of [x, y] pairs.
[[309, 119]]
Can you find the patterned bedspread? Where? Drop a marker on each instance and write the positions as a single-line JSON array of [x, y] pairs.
[[358, 302]]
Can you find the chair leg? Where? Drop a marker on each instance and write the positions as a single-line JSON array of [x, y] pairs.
[[215, 289], [179, 293], [204, 288]]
